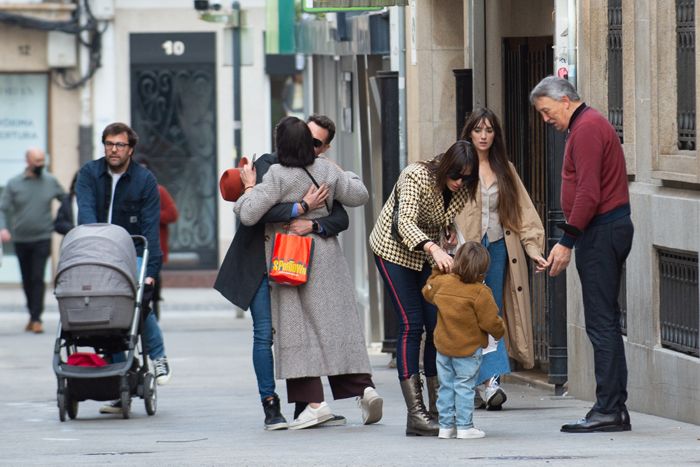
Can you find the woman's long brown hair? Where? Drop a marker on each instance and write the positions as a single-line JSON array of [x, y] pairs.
[[508, 205]]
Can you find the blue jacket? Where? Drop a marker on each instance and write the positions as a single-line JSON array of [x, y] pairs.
[[136, 204]]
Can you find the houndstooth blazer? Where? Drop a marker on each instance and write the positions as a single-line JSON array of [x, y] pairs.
[[422, 214]]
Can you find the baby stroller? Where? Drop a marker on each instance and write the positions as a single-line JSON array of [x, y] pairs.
[[99, 300]]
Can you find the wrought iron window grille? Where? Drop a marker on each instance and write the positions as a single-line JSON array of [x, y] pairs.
[[678, 300], [685, 73], [615, 80]]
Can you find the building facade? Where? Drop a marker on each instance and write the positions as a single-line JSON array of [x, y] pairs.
[[158, 66], [635, 61]]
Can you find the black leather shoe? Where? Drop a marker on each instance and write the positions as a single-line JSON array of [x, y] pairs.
[[596, 421], [625, 420]]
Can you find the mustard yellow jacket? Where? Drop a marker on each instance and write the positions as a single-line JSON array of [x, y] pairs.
[[467, 314], [516, 289]]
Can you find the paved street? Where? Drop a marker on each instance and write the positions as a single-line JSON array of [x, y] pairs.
[[209, 414]]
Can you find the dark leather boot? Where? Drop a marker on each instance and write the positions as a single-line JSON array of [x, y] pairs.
[[433, 386], [274, 420], [418, 421]]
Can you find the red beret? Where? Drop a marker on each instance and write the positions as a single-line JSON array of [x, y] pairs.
[[230, 184]]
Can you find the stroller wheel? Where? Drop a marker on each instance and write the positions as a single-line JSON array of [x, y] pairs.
[[72, 407], [126, 404], [61, 399], [150, 396]]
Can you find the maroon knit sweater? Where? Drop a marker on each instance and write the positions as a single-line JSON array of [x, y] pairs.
[[594, 177]]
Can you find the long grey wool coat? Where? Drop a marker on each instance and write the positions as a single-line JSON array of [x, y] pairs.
[[318, 331]]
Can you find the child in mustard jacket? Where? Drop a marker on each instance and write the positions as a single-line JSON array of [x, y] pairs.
[[467, 314]]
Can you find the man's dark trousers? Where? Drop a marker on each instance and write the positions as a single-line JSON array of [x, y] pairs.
[[600, 254], [32, 257]]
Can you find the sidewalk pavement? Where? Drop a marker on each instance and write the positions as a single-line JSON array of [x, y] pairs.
[[210, 413]]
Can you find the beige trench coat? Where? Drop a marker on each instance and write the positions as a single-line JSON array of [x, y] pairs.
[[516, 289]]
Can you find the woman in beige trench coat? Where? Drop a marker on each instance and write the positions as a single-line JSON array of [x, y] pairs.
[[504, 220]]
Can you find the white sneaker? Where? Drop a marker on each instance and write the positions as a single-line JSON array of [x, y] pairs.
[[494, 395], [470, 433], [312, 417], [371, 404], [112, 407], [447, 433]]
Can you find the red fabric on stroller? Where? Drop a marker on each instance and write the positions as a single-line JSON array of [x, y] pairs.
[[85, 359]]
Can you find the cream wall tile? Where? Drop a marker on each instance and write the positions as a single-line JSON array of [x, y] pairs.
[[444, 61], [444, 135], [448, 27], [424, 25], [426, 75]]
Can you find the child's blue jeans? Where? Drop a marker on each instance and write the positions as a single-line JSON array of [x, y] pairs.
[[457, 376]]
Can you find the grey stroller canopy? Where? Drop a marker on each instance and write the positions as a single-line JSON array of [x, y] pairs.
[[107, 246]]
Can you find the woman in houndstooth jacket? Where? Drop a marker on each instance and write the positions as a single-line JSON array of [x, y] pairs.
[[430, 194], [318, 330]]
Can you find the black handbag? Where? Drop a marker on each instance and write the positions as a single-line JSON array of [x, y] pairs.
[[395, 218]]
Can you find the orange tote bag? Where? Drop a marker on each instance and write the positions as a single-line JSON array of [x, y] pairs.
[[291, 259]]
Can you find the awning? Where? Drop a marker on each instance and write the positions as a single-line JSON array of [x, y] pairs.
[[357, 3], [279, 35]]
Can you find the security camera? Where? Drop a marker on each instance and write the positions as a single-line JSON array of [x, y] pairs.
[[215, 5], [201, 5]]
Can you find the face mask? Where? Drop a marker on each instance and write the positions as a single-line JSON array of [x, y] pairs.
[[37, 170]]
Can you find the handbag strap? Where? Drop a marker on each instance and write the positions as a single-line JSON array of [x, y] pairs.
[[317, 186]]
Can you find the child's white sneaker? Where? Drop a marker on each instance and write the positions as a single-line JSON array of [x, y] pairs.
[[447, 433], [470, 433]]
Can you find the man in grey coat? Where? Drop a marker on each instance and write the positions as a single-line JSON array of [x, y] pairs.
[[25, 218]]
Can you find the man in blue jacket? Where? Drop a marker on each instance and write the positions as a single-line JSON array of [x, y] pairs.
[[113, 190]]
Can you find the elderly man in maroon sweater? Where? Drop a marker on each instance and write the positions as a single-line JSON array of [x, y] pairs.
[[595, 201]]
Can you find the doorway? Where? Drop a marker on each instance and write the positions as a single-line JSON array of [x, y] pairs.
[[526, 61]]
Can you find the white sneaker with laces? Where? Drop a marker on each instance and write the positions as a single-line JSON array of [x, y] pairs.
[[162, 370], [494, 395], [312, 417], [371, 404], [447, 433], [112, 407], [470, 433]]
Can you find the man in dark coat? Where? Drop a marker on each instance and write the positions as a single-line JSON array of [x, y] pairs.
[[242, 278]]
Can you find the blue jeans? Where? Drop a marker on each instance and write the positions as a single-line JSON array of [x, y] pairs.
[[151, 335], [262, 340], [496, 363], [457, 376], [152, 339], [414, 314]]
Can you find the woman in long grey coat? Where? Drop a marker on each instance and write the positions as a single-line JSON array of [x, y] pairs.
[[318, 331]]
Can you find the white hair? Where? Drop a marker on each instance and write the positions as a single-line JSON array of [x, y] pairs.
[[554, 88]]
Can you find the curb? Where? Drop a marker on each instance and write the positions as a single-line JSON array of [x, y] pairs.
[[530, 379]]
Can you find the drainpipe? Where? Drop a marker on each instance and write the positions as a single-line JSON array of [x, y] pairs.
[[572, 48], [85, 137], [398, 63], [236, 46]]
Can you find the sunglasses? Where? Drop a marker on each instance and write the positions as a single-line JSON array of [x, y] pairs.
[[317, 143], [465, 178]]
